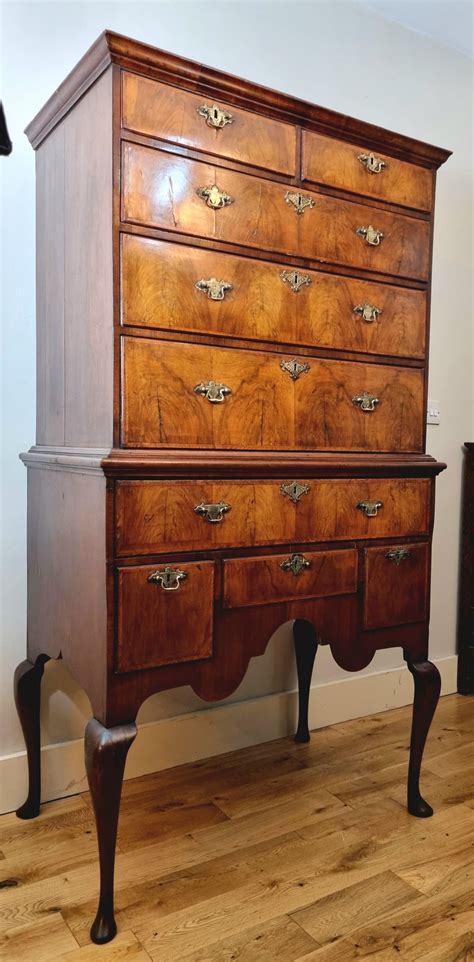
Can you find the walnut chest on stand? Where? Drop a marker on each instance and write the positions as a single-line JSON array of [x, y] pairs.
[[232, 309]]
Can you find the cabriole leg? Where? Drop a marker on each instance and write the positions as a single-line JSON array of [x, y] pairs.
[[27, 690], [427, 688], [306, 646], [105, 754]]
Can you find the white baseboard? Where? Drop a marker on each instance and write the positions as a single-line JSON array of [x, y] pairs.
[[213, 731]]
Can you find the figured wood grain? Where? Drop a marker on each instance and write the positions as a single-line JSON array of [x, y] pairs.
[[267, 409], [158, 290], [395, 594], [171, 113], [159, 190], [158, 516], [156, 626], [331, 162], [254, 581]]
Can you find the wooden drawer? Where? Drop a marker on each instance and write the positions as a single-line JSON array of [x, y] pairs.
[[267, 407], [160, 190], [396, 585], [258, 303], [336, 164], [289, 577], [158, 110], [164, 625], [159, 516]]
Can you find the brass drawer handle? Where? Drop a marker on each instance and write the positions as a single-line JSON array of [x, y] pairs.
[[298, 201], [370, 508], [213, 391], [169, 578], [296, 563], [294, 490], [294, 368], [213, 512], [373, 164], [367, 312], [214, 116], [215, 290], [214, 197], [295, 279], [371, 235], [397, 555], [365, 401]]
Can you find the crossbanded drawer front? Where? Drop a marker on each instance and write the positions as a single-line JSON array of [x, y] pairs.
[[165, 614], [191, 396], [178, 287], [191, 197], [195, 120], [289, 577], [396, 585], [364, 171], [159, 516]]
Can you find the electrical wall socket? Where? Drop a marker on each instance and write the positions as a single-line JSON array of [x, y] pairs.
[[433, 414]]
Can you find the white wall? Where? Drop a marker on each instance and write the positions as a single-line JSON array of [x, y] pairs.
[[340, 55]]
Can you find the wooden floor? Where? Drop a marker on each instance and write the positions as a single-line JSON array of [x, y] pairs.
[[276, 853]]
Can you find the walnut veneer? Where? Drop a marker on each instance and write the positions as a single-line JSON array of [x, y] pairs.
[[232, 297]]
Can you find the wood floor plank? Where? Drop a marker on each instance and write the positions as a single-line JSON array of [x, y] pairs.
[[124, 948], [44, 940], [281, 939]]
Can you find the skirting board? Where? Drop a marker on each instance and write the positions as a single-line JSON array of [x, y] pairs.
[[187, 738]]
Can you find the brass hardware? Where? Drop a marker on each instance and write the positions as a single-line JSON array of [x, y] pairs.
[[294, 368], [214, 392], [371, 235], [294, 490], [296, 563], [397, 555], [299, 201], [366, 402], [370, 508], [215, 290], [295, 279], [373, 164], [215, 117], [368, 312], [169, 579], [213, 512], [214, 197]]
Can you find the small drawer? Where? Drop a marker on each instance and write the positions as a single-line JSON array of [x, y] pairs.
[[396, 585], [159, 516], [358, 169], [289, 577], [165, 614], [176, 287], [192, 197], [195, 120]]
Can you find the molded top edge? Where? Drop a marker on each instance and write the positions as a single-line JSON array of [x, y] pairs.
[[113, 48]]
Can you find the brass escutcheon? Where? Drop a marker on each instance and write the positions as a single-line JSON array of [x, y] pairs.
[[397, 555], [295, 279], [215, 290], [298, 201], [215, 117], [213, 512], [368, 312], [365, 401], [213, 391], [373, 164], [214, 197], [370, 508], [370, 234], [296, 563], [294, 490], [294, 368], [169, 578]]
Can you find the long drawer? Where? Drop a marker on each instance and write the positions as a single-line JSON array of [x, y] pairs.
[[193, 396], [178, 287], [158, 110], [154, 517], [178, 194]]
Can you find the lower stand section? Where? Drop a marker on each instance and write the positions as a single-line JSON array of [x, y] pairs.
[[27, 691], [105, 755], [427, 688], [306, 646]]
